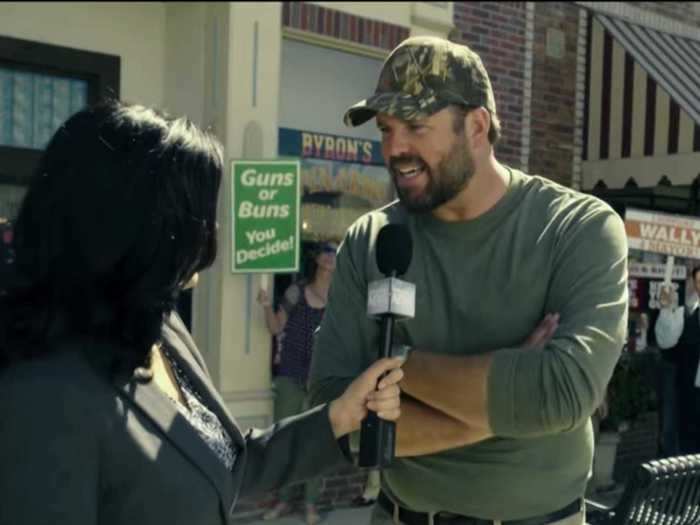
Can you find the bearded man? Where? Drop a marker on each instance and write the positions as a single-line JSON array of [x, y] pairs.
[[495, 426]]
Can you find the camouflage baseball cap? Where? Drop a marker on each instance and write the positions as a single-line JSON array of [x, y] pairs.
[[423, 75]]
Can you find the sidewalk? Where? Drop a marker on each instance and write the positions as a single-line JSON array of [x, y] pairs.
[[343, 516], [361, 515]]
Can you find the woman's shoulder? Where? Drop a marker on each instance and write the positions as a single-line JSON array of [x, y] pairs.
[[62, 381], [298, 286], [54, 406], [293, 294]]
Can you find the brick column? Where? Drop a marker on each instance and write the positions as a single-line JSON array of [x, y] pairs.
[[554, 91], [496, 31]]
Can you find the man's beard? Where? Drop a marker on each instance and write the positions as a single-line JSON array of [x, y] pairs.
[[452, 175]]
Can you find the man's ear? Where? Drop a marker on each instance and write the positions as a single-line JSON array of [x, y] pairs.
[[478, 125]]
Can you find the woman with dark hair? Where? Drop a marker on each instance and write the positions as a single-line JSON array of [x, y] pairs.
[[108, 414], [294, 324]]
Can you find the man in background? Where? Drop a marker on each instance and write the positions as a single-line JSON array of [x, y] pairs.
[[677, 332]]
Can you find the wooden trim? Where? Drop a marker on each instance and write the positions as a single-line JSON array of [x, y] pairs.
[[628, 99], [526, 130], [334, 43], [604, 147], [102, 72], [650, 122], [674, 117], [643, 17], [587, 89], [580, 97]]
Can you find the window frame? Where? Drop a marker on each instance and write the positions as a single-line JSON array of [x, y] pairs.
[[101, 71]]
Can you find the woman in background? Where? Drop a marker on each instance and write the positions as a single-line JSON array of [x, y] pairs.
[[294, 324]]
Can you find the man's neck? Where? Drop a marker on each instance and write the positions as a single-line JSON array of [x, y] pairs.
[[487, 186]]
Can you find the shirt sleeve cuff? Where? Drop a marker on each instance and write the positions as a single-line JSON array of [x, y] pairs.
[[343, 442]]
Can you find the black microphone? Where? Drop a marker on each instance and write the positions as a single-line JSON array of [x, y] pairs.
[[388, 300]]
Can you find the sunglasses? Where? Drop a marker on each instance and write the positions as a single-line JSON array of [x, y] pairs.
[[327, 248]]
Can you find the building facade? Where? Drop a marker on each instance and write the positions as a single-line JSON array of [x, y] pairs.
[[579, 101]]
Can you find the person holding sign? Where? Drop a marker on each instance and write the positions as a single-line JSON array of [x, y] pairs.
[[294, 324], [108, 415], [677, 332]]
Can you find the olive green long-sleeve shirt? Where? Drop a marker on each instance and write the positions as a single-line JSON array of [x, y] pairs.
[[482, 286]]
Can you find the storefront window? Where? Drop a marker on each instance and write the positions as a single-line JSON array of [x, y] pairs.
[[343, 172], [32, 106], [41, 85], [342, 178]]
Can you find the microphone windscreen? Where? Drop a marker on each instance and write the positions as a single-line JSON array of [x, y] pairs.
[[394, 249]]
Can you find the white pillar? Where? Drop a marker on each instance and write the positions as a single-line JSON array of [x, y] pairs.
[[242, 50]]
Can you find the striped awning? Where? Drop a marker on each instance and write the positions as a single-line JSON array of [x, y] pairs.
[[673, 61]]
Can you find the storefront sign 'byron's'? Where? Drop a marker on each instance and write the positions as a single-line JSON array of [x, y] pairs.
[[325, 146], [265, 213], [341, 177], [675, 235]]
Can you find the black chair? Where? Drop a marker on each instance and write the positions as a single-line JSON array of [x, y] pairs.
[[659, 492]]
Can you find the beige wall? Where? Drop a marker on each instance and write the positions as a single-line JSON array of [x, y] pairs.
[[432, 18], [184, 90], [680, 169], [135, 31]]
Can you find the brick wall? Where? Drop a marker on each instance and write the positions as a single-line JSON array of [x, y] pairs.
[[553, 94], [342, 26], [687, 12], [338, 490], [496, 31]]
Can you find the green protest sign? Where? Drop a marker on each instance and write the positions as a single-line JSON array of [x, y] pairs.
[[265, 212]]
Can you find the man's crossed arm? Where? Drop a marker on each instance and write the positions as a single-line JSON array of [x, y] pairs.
[[455, 416]]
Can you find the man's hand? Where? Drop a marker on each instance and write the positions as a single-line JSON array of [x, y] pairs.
[[665, 296], [263, 298], [543, 333], [424, 430]]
